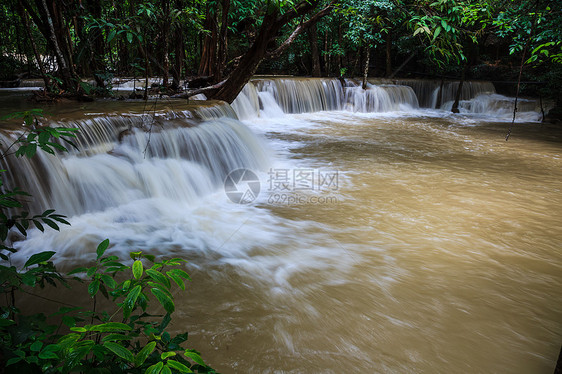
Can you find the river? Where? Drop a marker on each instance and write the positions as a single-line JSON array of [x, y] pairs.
[[386, 238]]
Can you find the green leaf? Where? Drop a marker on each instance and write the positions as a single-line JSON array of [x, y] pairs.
[[78, 329], [111, 35], [13, 360], [78, 270], [49, 352], [30, 150], [6, 322], [38, 258], [130, 37], [180, 273], [164, 299], [143, 354], [102, 247], [91, 271], [194, 355], [29, 278], [158, 277], [94, 287], [134, 255], [51, 224], [78, 351], [111, 327], [36, 346], [69, 321], [116, 337], [137, 269], [10, 202], [179, 366], [436, 32], [21, 229], [109, 281], [166, 370], [176, 279], [44, 136], [161, 288], [165, 355], [155, 369], [119, 350], [130, 301]]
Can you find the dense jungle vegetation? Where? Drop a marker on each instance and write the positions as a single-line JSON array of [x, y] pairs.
[[225, 42]]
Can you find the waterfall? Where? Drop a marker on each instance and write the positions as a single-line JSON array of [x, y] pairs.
[[304, 95], [499, 106], [271, 97], [428, 91], [247, 104], [127, 158], [379, 98]]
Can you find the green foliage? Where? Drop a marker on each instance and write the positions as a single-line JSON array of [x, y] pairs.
[[127, 339], [367, 20]]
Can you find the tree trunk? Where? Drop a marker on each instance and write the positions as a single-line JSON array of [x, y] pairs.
[[338, 58], [326, 55], [97, 45], [388, 54], [366, 69], [179, 57], [25, 21], [222, 49], [455, 108], [165, 41], [208, 55], [313, 37], [272, 23], [63, 63], [440, 95], [356, 63]]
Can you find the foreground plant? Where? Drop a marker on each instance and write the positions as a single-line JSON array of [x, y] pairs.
[[123, 338]]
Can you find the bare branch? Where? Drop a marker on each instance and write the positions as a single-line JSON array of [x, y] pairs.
[[190, 93]]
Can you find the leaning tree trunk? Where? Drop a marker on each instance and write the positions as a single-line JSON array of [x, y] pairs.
[[248, 64]]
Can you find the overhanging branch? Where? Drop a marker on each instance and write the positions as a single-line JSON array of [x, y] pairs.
[[299, 30]]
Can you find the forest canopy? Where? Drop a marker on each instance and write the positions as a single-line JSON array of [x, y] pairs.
[[225, 42]]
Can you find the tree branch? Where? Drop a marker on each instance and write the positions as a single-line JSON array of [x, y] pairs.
[[190, 93], [299, 30]]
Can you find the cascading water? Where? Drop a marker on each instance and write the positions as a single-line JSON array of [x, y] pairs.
[[125, 158], [383, 98], [500, 107], [272, 97]]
